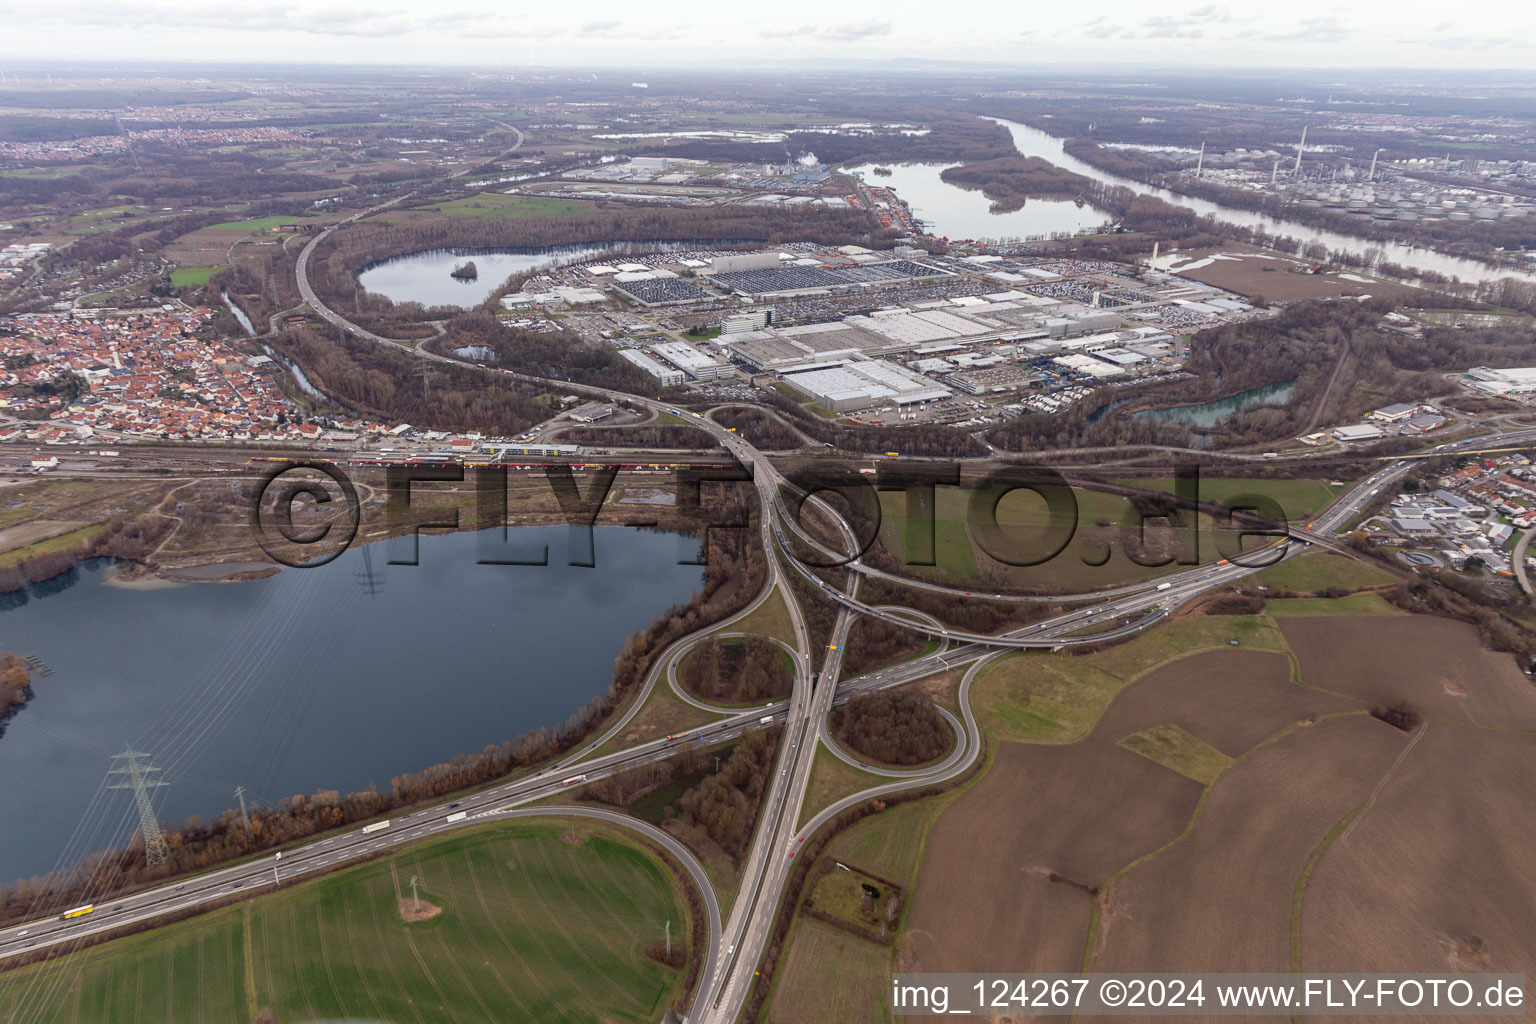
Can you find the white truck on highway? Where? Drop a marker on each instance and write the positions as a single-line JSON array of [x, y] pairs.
[[1163, 586], [574, 780], [377, 826], [765, 720], [458, 815]]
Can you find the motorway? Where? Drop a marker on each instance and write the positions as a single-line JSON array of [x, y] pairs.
[[736, 944]]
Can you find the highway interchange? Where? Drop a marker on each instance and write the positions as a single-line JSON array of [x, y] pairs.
[[735, 944]]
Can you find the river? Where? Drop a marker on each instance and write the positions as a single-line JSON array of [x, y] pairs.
[[234, 307], [954, 212], [327, 678], [1032, 142]]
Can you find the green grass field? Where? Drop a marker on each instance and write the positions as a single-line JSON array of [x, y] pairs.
[[42, 172], [771, 618], [1179, 750], [959, 561], [1322, 570], [1186, 636], [832, 778], [191, 277], [254, 224], [830, 975], [1041, 698], [1300, 499], [540, 922], [1354, 604], [493, 204]]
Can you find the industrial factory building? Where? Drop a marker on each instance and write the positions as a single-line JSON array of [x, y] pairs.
[[1509, 381], [750, 320], [691, 361], [848, 386], [665, 375], [738, 262]]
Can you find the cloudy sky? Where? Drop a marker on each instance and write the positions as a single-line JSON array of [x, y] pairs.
[[1313, 33]]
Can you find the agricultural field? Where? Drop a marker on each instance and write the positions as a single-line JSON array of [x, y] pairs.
[[829, 974], [1181, 803], [1434, 664], [545, 921], [1252, 273]]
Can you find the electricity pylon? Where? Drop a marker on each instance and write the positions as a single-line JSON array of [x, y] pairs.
[[140, 781]]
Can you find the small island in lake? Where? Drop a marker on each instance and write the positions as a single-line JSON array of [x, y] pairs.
[[884, 172], [15, 686], [465, 271]]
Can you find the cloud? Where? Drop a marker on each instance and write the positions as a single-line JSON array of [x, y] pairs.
[[1440, 39], [1209, 14], [788, 33], [852, 30], [605, 28], [335, 21], [848, 32], [1166, 26], [1327, 29], [1103, 28]]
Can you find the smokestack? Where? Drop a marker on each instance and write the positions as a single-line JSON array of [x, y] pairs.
[[1274, 171], [1372, 175], [1154, 255], [1300, 146], [1200, 164]]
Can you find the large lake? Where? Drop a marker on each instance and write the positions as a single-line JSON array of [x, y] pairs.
[[424, 277], [310, 679], [950, 211]]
